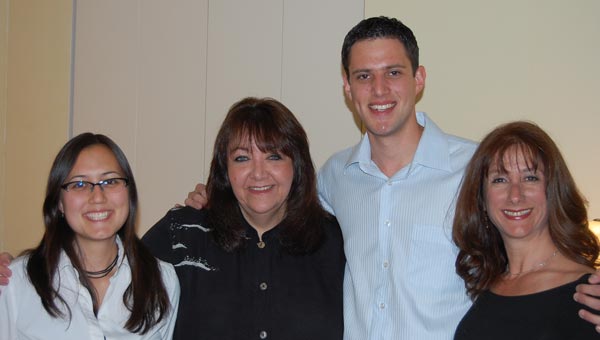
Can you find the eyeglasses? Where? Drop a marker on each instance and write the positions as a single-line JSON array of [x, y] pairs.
[[106, 185]]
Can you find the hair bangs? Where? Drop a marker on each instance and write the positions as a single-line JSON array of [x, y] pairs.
[[509, 149], [262, 132]]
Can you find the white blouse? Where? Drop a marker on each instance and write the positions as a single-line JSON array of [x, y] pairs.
[[22, 316]]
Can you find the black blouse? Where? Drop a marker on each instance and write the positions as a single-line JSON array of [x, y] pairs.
[[258, 292], [548, 315]]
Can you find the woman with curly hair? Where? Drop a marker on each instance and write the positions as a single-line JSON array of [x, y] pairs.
[[524, 244]]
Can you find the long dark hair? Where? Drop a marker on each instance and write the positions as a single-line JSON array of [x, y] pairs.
[[274, 129], [146, 296], [482, 257]]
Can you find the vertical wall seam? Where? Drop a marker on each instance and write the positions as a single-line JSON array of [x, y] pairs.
[[204, 139], [282, 52], [137, 83], [3, 122], [72, 70]]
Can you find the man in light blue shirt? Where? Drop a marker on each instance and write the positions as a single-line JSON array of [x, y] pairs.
[[392, 195], [400, 281]]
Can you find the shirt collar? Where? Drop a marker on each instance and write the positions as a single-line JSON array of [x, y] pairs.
[[432, 151], [252, 234]]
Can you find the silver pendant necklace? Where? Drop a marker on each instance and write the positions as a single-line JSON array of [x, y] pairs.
[[535, 268]]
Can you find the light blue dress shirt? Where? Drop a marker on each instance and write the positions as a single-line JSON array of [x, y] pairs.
[[400, 280]]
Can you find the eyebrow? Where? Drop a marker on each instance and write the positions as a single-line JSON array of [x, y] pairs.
[[389, 67], [82, 177]]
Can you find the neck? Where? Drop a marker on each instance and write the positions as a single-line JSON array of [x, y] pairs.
[[392, 153], [96, 256], [262, 224], [529, 258]]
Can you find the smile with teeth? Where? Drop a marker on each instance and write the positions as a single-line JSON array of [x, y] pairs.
[[263, 188], [381, 107], [516, 213], [97, 216]]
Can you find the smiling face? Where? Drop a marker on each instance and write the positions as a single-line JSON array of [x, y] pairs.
[[261, 182], [98, 215], [516, 198], [382, 86]]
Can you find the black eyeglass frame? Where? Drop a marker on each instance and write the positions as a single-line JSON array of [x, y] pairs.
[[101, 184]]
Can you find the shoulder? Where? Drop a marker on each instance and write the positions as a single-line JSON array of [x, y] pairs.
[[19, 268], [332, 229], [330, 174], [181, 219], [460, 144], [460, 151], [186, 214], [337, 161], [19, 281], [178, 227]]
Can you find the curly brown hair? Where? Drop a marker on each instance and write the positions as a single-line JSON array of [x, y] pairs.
[[482, 257]]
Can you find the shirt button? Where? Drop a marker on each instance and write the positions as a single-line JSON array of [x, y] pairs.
[[386, 264], [382, 305], [388, 223], [263, 286], [263, 334], [261, 244], [389, 183]]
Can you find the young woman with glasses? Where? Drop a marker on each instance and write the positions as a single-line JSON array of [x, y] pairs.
[[90, 277]]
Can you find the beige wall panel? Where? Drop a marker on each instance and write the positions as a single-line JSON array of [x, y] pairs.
[[490, 63], [37, 110], [106, 71], [244, 58], [4, 10], [147, 92], [172, 88], [160, 76], [312, 88]]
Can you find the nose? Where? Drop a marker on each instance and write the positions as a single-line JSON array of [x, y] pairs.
[[97, 194], [258, 168], [380, 86], [515, 193]]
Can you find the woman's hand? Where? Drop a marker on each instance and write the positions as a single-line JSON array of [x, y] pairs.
[[197, 199]]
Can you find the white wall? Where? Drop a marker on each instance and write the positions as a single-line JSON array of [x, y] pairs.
[[159, 76], [493, 62]]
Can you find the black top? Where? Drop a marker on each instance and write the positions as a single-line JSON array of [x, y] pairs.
[[258, 292], [547, 315]]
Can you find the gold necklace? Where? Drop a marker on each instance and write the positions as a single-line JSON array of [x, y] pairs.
[[535, 268]]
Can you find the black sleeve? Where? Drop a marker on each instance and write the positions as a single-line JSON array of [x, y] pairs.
[[158, 239]]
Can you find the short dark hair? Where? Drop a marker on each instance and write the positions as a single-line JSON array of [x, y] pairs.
[[146, 296], [381, 27], [482, 257], [273, 128]]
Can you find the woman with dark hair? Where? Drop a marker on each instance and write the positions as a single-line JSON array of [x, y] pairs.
[[90, 277], [522, 229], [263, 259]]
